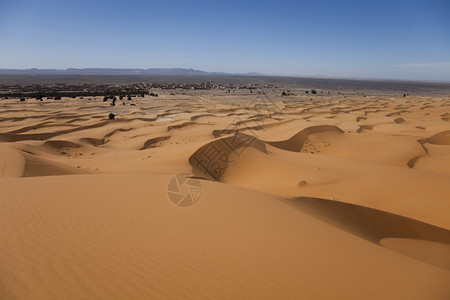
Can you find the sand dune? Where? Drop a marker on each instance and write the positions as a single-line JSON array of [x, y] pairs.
[[34, 127], [376, 226], [38, 166], [328, 196], [446, 117], [152, 142], [261, 126], [132, 242], [433, 253], [399, 120], [361, 221], [441, 138], [413, 161], [92, 141], [221, 148], [58, 145], [196, 117], [12, 162], [397, 113], [226, 146], [296, 142], [365, 127], [185, 124], [11, 137]]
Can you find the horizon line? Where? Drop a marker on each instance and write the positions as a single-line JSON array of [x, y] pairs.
[[206, 73]]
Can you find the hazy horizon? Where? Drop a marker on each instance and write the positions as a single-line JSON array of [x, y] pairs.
[[405, 40], [185, 72]]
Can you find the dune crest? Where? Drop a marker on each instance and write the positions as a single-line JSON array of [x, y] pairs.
[[295, 143], [383, 228], [212, 159], [152, 142]]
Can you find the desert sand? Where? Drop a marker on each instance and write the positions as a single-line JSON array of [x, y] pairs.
[[336, 197]]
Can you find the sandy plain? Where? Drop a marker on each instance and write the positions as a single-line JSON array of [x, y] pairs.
[[341, 196]]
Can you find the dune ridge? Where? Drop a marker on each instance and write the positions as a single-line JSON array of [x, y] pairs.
[[152, 142], [214, 168], [211, 160], [38, 166], [296, 142], [374, 225], [440, 138]]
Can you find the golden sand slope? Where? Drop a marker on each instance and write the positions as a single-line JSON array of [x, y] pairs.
[[337, 197], [117, 236]]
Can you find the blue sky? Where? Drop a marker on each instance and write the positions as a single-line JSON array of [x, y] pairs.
[[361, 39]]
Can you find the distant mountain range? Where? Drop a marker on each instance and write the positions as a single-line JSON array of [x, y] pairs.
[[112, 71]]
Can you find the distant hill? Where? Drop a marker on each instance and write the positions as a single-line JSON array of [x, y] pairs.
[[108, 71]]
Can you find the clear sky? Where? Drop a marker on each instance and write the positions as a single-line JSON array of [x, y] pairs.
[[396, 39]]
